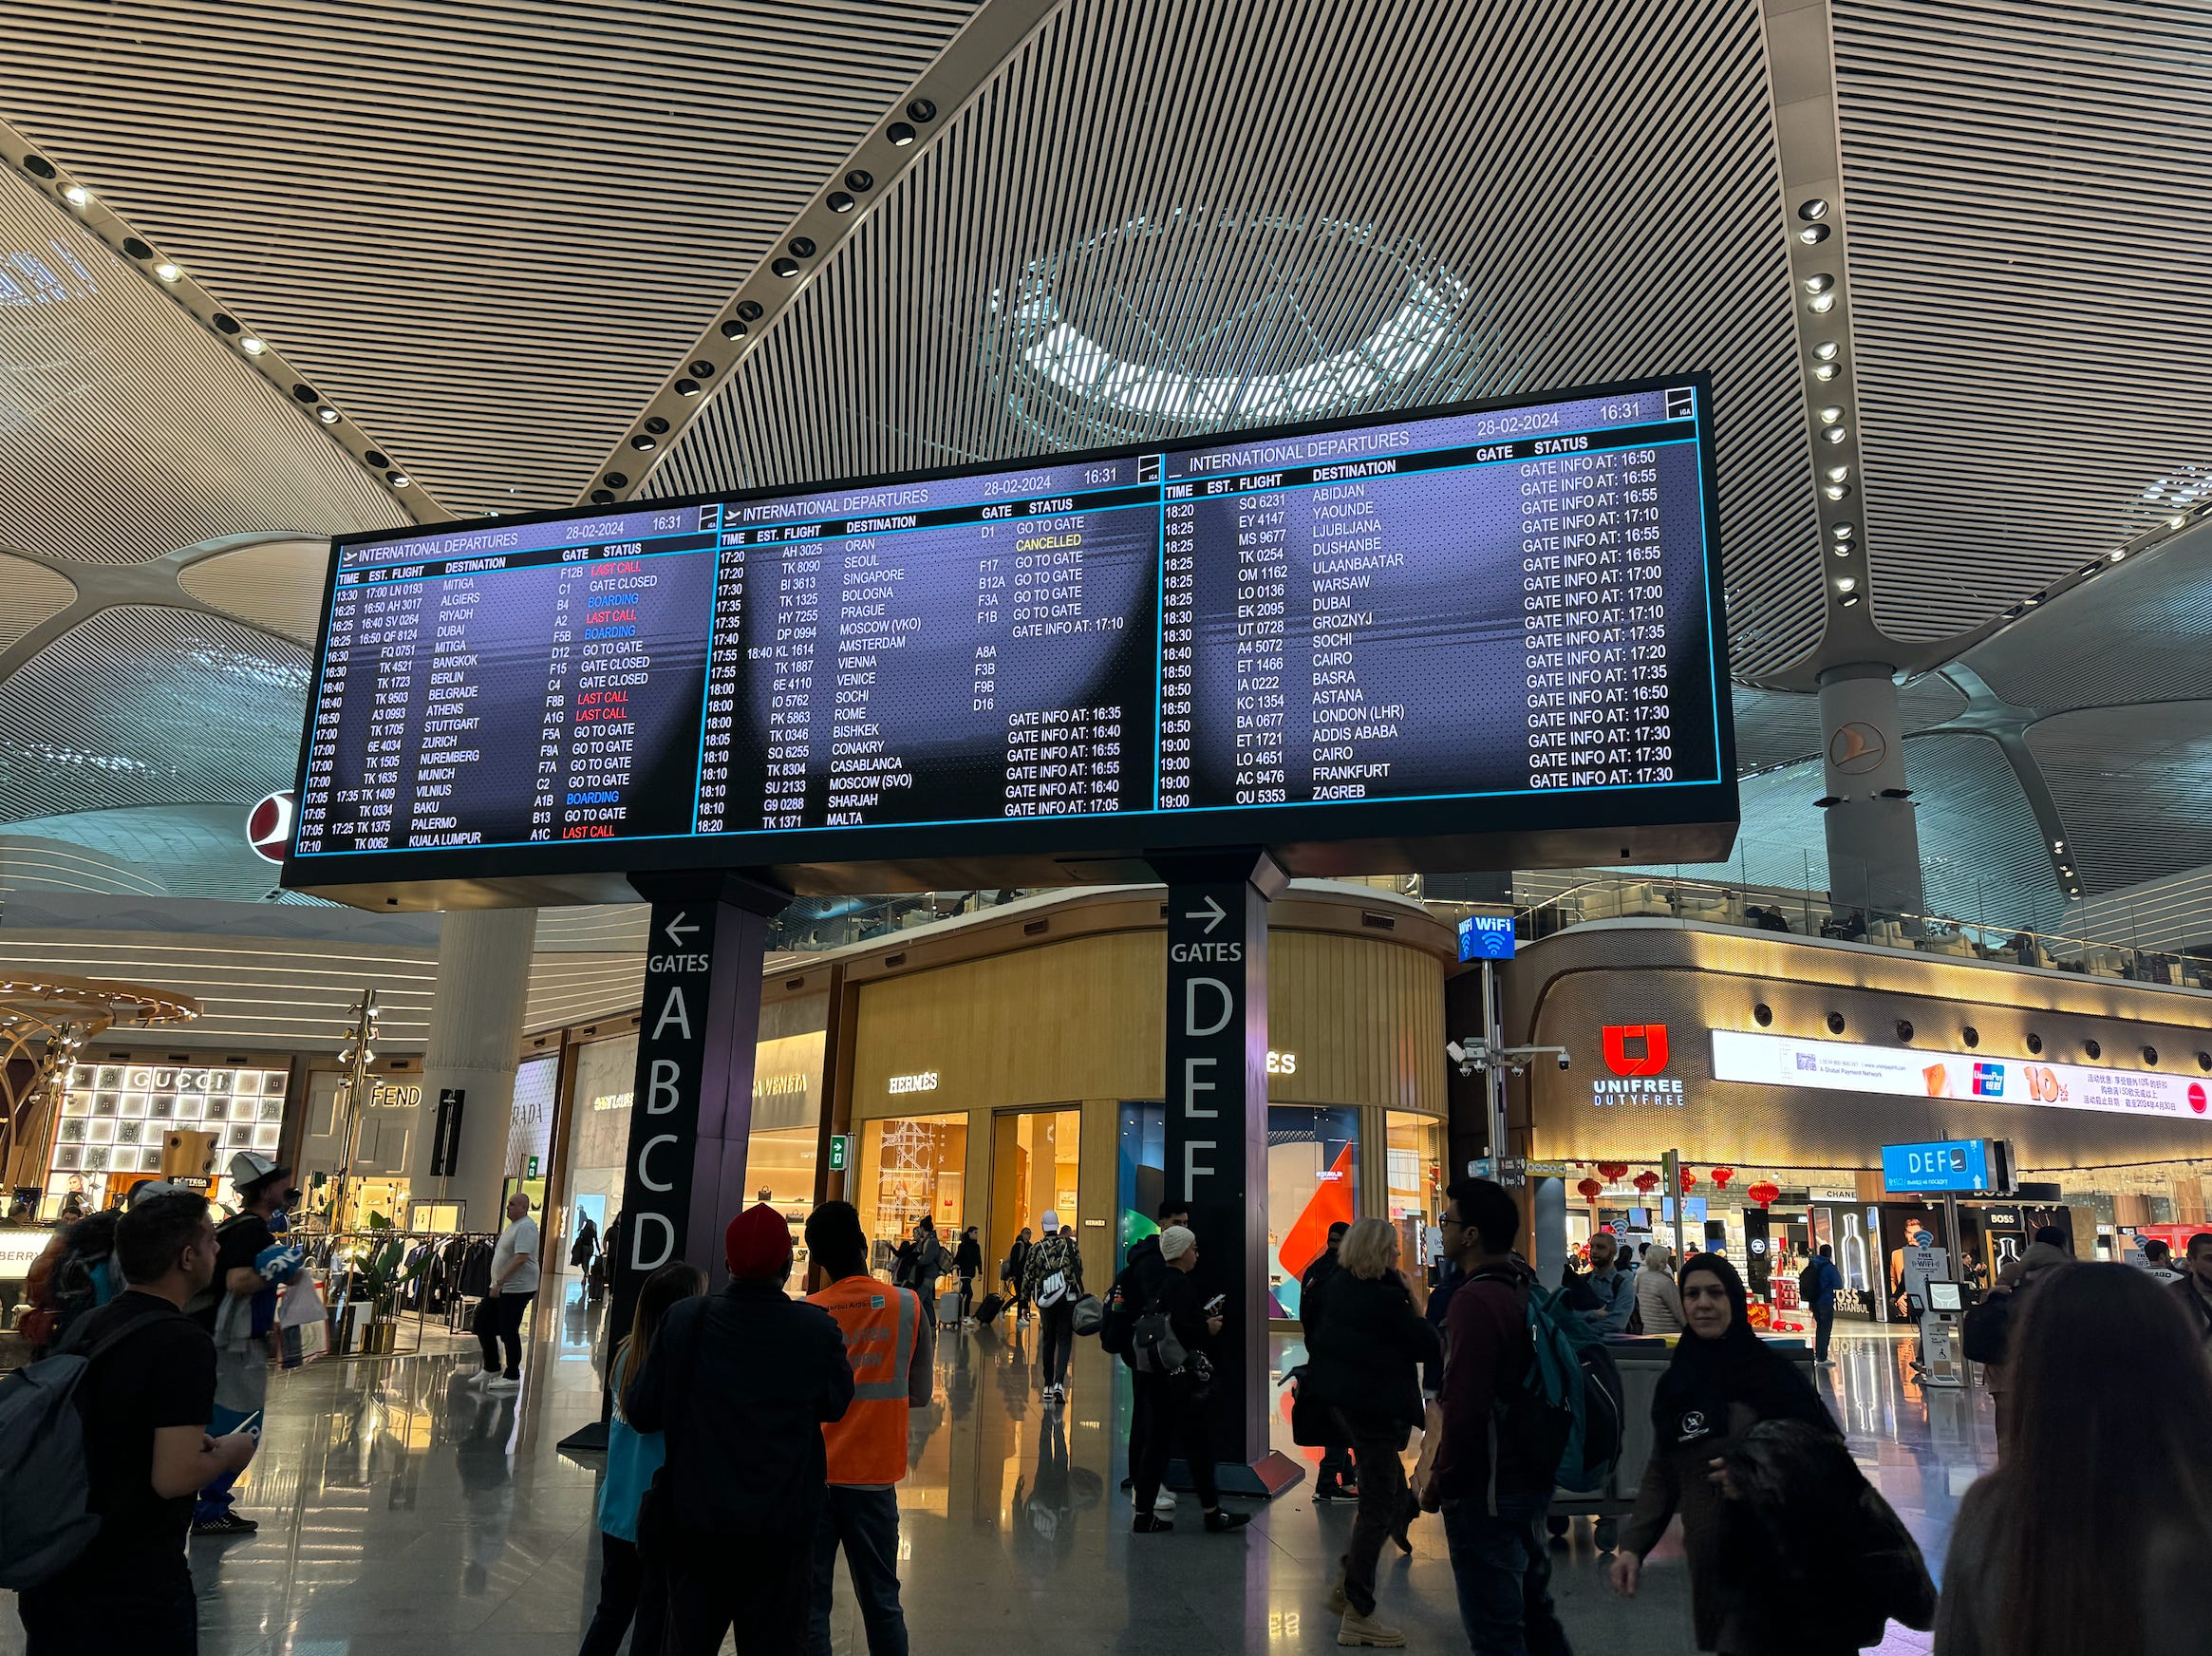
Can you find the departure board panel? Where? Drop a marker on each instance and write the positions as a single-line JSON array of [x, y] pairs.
[[1385, 633]]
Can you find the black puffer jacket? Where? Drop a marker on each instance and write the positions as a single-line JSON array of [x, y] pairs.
[[1366, 1357]]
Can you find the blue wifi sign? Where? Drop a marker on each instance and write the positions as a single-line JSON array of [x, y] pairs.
[[1486, 937]]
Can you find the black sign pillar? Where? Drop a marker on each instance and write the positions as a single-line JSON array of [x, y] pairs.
[[1217, 1130], [692, 1104]]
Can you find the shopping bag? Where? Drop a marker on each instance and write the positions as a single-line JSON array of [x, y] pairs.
[[303, 1327]]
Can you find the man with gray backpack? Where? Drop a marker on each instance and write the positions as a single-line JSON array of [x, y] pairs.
[[112, 1431]]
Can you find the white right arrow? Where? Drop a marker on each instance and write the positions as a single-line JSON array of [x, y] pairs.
[[675, 930], [1212, 909]]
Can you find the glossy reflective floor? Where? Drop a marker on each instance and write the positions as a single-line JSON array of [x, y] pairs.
[[405, 1514]]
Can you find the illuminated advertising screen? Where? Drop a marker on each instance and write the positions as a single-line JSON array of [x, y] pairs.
[[1954, 1164], [2029, 1084], [1488, 629]]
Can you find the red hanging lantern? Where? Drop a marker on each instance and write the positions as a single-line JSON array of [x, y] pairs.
[[1613, 1170], [1722, 1174], [1763, 1193], [1647, 1181], [1689, 1179], [1591, 1190]]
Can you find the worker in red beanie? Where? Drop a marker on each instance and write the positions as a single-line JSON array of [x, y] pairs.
[[742, 1381]]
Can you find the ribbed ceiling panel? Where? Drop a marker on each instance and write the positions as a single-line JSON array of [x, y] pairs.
[[2027, 286], [2117, 771], [29, 593], [126, 430], [142, 705], [2141, 631], [277, 585], [1982, 856], [485, 226], [1210, 190]]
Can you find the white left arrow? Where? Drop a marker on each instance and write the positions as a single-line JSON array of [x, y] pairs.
[[675, 930], [1214, 914]]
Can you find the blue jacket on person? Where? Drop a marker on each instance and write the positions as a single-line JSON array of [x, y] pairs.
[[1616, 1291], [1826, 1280]]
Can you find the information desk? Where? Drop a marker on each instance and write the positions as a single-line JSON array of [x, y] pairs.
[[1480, 628]]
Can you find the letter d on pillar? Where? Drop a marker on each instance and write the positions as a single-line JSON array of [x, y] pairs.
[[1216, 1072]]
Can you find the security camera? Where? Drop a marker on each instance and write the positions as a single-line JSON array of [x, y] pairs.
[[1566, 1061], [1458, 1054]]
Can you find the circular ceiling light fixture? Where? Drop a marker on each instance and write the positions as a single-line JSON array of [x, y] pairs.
[[1841, 531], [860, 181], [327, 415], [1850, 599], [1835, 491], [1836, 433], [252, 347], [1127, 332], [1813, 234], [77, 195], [1825, 351], [397, 480], [1836, 474], [1811, 208], [168, 272], [1825, 371], [899, 133], [731, 327], [1829, 415], [837, 201], [1822, 302]]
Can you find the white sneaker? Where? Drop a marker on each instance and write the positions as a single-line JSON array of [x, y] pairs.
[[1357, 1631], [1163, 1503], [503, 1384]]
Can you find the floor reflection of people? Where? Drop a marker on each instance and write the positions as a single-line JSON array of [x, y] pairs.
[[1046, 1509], [487, 1479]]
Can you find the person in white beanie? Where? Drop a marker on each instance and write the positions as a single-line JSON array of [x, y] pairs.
[[1176, 1406], [1054, 1281]]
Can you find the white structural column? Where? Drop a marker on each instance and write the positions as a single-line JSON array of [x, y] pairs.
[[476, 1035], [1873, 841]]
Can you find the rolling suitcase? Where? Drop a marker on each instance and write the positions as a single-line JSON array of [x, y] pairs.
[[988, 1312]]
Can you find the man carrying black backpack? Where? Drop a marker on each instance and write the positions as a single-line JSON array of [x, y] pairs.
[[145, 1398], [1494, 1511]]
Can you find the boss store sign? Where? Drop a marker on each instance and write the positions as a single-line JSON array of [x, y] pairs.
[[1636, 1059]]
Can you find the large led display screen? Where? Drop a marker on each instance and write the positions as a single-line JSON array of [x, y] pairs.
[[1477, 627]]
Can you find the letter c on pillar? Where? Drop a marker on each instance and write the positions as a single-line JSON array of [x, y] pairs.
[[645, 1155]]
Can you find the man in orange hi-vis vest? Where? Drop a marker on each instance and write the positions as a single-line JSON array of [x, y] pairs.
[[891, 1346]]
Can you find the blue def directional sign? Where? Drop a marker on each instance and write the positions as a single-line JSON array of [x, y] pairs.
[[1486, 937], [1957, 1164]]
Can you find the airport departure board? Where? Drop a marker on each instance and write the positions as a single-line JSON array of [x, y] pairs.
[[1458, 624]]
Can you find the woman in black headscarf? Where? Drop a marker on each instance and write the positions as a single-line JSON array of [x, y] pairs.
[[1773, 1507]]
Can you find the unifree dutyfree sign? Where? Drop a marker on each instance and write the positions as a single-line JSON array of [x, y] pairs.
[[1847, 1066]]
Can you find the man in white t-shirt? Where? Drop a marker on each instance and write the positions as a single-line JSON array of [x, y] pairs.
[[514, 1286]]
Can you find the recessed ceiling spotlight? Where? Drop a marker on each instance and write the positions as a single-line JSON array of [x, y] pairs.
[[731, 327], [327, 415], [1822, 302], [76, 194], [376, 458], [784, 266], [602, 496], [1835, 491], [1850, 599], [616, 480], [252, 347], [2119, 553], [899, 133], [1836, 433], [397, 480], [2058, 845], [657, 426], [703, 369], [167, 272], [640, 443], [688, 387], [1845, 583], [837, 201], [1836, 474], [1825, 351], [749, 310], [802, 247], [1819, 282], [134, 248], [1825, 372], [860, 180], [1813, 234], [2174, 522], [1829, 415], [1811, 209], [922, 109], [1843, 550], [1841, 531]]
